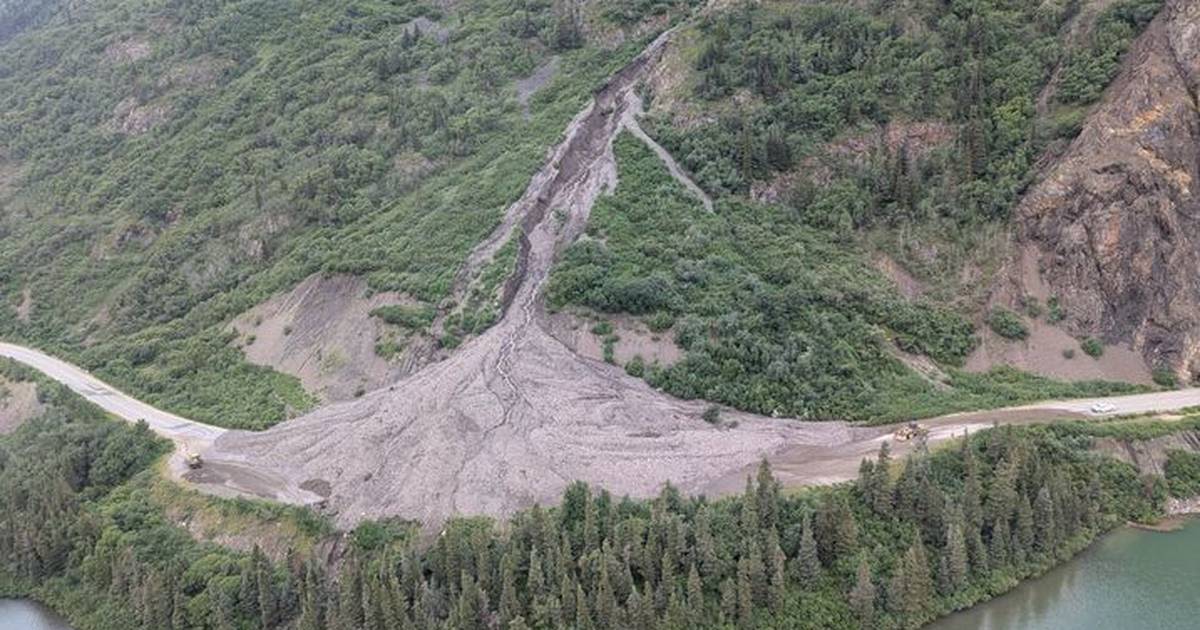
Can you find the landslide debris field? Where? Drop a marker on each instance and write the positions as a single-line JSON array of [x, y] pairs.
[[513, 416]]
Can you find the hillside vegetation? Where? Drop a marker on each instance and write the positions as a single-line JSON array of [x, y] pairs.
[[165, 166]]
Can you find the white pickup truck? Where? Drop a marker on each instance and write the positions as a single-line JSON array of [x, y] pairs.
[[1102, 408]]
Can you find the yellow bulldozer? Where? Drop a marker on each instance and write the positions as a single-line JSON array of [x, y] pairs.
[[910, 431]]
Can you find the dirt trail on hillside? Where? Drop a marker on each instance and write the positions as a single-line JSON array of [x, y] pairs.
[[514, 416]]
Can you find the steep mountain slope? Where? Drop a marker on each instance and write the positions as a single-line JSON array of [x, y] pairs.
[[165, 167], [513, 416], [192, 177], [1111, 230]]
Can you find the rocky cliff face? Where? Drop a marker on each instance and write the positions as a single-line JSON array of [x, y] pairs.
[[1113, 228]]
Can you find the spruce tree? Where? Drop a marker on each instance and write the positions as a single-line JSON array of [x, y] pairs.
[[862, 595], [767, 497], [1025, 531], [510, 604], [1043, 517], [808, 562], [881, 482], [695, 597], [957, 564]]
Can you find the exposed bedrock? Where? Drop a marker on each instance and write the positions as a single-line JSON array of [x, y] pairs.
[[1114, 226]]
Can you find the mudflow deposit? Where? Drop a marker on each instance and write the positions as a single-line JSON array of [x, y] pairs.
[[513, 416]]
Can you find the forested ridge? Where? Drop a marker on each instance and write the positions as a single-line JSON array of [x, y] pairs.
[[909, 541]]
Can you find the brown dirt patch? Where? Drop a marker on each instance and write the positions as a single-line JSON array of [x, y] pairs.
[[530, 85], [18, 403], [1148, 456], [127, 50], [1042, 353], [635, 339], [132, 118], [25, 308], [10, 174], [322, 333], [202, 72], [905, 282]]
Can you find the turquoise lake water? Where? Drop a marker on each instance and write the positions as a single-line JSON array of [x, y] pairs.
[[1130, 580]]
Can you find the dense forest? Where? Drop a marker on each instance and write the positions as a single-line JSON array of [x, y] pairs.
[[909, 541], [787, 78]]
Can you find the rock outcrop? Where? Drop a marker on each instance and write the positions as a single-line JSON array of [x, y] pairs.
[[1113, 228]]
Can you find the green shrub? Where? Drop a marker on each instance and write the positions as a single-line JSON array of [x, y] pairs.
[[660, 321], [1007, 324], [1031, 306], [712, 414], [1092, 347], [1055, 312], [610, 346], [1182, 471], [602, 328], [636, 366], [410, 317], [1165, 377]]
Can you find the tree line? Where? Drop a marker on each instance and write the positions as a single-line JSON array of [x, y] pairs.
[[909, 540]]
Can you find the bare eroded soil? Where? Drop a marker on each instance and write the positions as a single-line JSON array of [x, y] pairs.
[[321, 332]]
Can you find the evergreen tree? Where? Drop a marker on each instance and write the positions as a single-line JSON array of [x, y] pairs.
[[808, 562], [1024, 529], [510, 605], [745, 594], [767, 497], [706, 548], [1043, 516], [862, 595], [606, 602], [695, 598], [776, 578], [729, 599], [955, 554], [881, 482]]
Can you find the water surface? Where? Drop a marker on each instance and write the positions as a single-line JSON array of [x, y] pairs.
[[1131, 579], [22, 614]]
